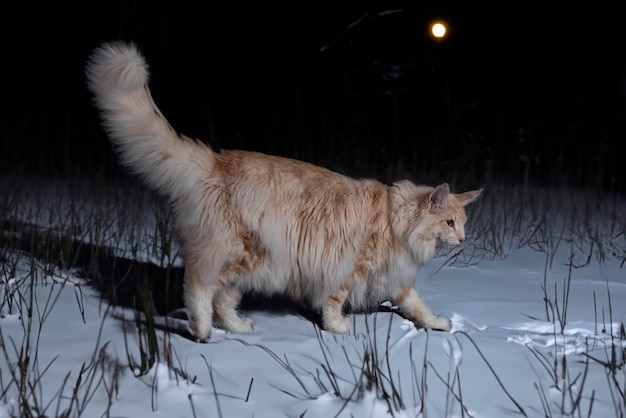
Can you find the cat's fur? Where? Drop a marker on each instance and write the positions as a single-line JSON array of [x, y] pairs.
[[251, 222]]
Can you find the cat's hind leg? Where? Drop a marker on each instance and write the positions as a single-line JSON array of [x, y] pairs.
[[225, 308], [332, 316], [198, 303], [198, 296], [413, 308]]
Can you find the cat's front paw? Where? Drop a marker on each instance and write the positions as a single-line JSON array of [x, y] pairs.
[[339, 325], [235, 323], [441, 323], [243, 325]]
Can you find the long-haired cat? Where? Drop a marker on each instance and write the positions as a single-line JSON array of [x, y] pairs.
[[251, 222]]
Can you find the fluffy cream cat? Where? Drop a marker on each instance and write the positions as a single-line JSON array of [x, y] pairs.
[[251, 222]]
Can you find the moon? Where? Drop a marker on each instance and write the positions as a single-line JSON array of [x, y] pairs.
[[438, 30]]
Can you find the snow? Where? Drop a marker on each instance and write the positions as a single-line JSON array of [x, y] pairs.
[[509, 350]]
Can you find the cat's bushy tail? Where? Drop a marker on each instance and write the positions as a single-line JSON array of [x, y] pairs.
[[117, 75]]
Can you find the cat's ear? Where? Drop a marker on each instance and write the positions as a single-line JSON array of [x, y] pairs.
[[468, 197], [438, 198]]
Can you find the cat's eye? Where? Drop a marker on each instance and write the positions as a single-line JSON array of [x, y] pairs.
[[450, 223]]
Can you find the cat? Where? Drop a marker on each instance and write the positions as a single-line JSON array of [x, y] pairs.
[[251, 222]]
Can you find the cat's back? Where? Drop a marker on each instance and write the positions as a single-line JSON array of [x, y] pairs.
[[278, 191], [239, 165], [253, 172]]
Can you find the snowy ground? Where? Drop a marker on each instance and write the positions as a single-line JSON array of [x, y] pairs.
[[535, 260]]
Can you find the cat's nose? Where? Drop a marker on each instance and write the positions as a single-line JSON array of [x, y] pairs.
[[461, 239]]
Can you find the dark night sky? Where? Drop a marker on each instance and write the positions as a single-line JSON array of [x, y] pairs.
[[253, 76]]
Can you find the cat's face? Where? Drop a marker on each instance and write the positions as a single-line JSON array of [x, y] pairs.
[[450, 224], [427, 219], [447, 215]]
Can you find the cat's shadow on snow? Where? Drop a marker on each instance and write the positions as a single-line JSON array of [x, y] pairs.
[[150, 288], [129, 283]]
